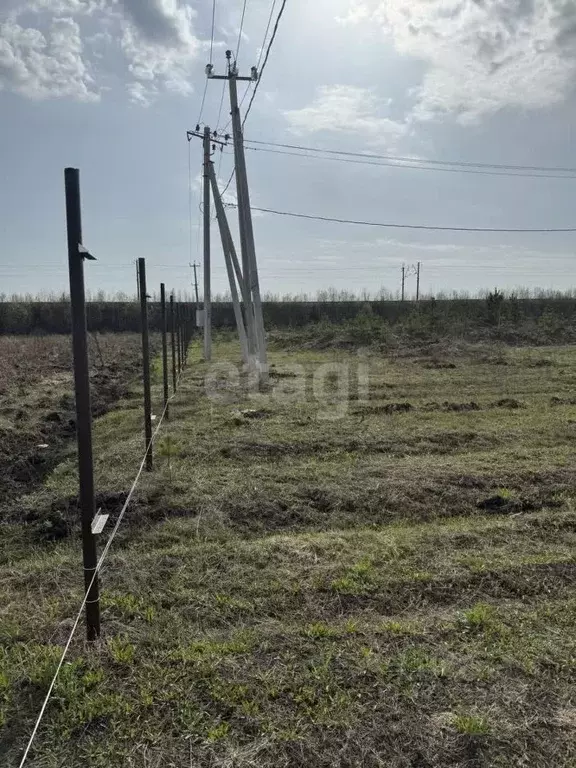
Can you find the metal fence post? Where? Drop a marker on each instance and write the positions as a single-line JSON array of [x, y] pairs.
[[164, 347], [146, 364], [173, 339], [184, 335], [179, 337], [76, 254]]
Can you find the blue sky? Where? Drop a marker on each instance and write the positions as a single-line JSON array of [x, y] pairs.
[[111, 86]]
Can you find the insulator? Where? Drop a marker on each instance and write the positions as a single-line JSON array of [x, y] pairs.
[[228, 54], [209, 69], [254, 72], [197, 128]]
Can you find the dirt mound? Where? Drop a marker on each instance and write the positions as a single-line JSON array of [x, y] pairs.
[[459, 407], [508, 402], [437, 365], [562, 401]]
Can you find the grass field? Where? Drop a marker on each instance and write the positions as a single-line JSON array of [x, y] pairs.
[[332, 573]]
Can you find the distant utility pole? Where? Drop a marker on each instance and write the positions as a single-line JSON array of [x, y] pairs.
[[403, 280], [207, 296], [194, 265], [137, 280], [418, 281]]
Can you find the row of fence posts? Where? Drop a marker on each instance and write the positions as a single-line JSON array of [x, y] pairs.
[[176, 320], [180, 321]]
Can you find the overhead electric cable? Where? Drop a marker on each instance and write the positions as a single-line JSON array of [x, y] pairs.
[[384, 164], [394, 158], [211, 52], [241, 28], [212, 35], [411, 226], [266, 34], [268, 49]]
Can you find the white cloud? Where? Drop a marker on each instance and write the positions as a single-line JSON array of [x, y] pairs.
[[482, 55], [346, 108], [64, 7], [39, 67], [164, 22], [156, 38], [156, 63], [140, 94]]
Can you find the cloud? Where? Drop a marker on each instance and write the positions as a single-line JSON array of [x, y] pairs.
[[40, 67], [482, 55], [139, 94], [162, 22], [156, 37], [64, 7], [345, 108], [159, 45]]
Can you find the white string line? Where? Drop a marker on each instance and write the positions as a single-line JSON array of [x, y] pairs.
[[96, 572]]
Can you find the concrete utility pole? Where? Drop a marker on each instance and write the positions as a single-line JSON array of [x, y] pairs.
[[207, 296], [228, 248], [403, 280], [253, 310], [194, 265], [418, 282]]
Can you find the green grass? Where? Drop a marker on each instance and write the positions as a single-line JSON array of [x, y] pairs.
[[385, 589]]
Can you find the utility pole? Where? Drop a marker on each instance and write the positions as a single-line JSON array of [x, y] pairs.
[[418, 282], [228, 248], [253, 308], [207, 296], [137, 280], [250, 267], [403, 280], [194, 265]]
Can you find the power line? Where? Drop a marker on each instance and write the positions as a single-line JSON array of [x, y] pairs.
[[241, 27], [266, 34], [221, 104], [384, 164], [210, 63], [203, 102], [270, 44], [212, 35], [393, 158], [190, 198], [242, 100], [228, 182], [407, 226]]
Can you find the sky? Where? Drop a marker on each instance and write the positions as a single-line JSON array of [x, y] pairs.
[[111, 86]]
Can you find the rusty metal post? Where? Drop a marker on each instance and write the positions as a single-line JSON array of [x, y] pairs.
[[76, 254], [146, 364], [164, 347]]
